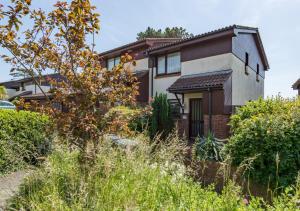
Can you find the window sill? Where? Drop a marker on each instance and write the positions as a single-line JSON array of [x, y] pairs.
[[167, 75]]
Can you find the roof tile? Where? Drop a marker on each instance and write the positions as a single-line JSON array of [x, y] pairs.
[[200, 81]]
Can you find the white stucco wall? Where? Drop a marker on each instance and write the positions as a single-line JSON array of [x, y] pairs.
[[36, 90], [208, 64], [161, 84], [141, 64], [244, 87]]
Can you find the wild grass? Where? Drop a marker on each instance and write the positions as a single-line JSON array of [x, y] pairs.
[[122, 179]]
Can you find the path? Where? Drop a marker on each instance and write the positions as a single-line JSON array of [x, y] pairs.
[[9, 185]]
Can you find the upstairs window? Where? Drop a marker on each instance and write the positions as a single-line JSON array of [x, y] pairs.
[[111, 63], [169, 64], [246, 63], [161, 65], [257, 72]]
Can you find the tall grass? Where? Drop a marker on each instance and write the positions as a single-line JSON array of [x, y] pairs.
[[139, 179]]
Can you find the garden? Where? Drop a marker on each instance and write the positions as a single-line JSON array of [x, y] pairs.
[[155, 173], [75, 164]]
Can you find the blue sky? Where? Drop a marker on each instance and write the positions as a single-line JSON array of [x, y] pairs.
[[278, 21]]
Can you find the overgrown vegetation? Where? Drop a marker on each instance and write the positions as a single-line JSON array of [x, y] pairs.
[[161, 119], [127, 121], [209, 148], [266, 133], [131, 180], [23, 139]]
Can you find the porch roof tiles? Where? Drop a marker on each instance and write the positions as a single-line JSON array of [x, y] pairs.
[[200, 81]]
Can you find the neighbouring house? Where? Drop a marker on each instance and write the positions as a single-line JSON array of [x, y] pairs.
[[296, 86], [26, 87], [207, 76]]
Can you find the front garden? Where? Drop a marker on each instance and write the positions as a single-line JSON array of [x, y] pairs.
[[155, 174]]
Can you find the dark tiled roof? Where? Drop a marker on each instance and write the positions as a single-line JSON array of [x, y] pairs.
[[296, 85], [200, 81], [24, 93], [145, 41], [203, 35]]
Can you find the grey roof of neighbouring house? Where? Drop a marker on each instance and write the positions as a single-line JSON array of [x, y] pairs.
[[16, 83], [200, 81]]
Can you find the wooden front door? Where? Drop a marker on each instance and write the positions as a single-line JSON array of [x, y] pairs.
[[196, 118]]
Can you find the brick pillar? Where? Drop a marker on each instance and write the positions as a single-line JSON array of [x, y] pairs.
[[220, 126]]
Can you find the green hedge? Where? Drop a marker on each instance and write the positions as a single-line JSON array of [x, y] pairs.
[[23, 138], [266, 136]]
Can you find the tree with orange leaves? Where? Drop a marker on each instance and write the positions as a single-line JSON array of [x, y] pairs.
[[57, 41]]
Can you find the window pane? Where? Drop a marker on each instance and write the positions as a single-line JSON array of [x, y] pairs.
[[110, 64], [117, 61], [173, 63], [161, 65]]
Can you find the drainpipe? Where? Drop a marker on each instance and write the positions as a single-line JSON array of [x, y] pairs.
[[152, 77], [210, 109]]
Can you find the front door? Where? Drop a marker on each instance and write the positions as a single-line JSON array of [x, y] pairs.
[[196, 118]]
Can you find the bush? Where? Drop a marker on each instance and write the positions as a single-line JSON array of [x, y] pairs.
[[22, 138], [161, 119], [209, 148], [127, 121], [267, 134]]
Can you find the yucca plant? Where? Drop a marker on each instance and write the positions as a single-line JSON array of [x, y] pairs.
[[209, 148]]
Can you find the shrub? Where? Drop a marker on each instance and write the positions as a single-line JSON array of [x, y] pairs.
[[268, 133], [209, 148], [22, 138], [161, 119], [126, 121]]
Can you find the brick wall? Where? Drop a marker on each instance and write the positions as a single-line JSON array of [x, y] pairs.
[[220, 126]]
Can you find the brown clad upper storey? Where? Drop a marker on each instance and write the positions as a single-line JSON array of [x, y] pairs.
[[230, 31]]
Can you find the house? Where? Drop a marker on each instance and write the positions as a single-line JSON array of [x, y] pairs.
[[207, 76], [296, 86], [26, 87]]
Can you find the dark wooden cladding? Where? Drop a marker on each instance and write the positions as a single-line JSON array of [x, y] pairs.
[[217, 102], [143, 88], [206, 49]]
